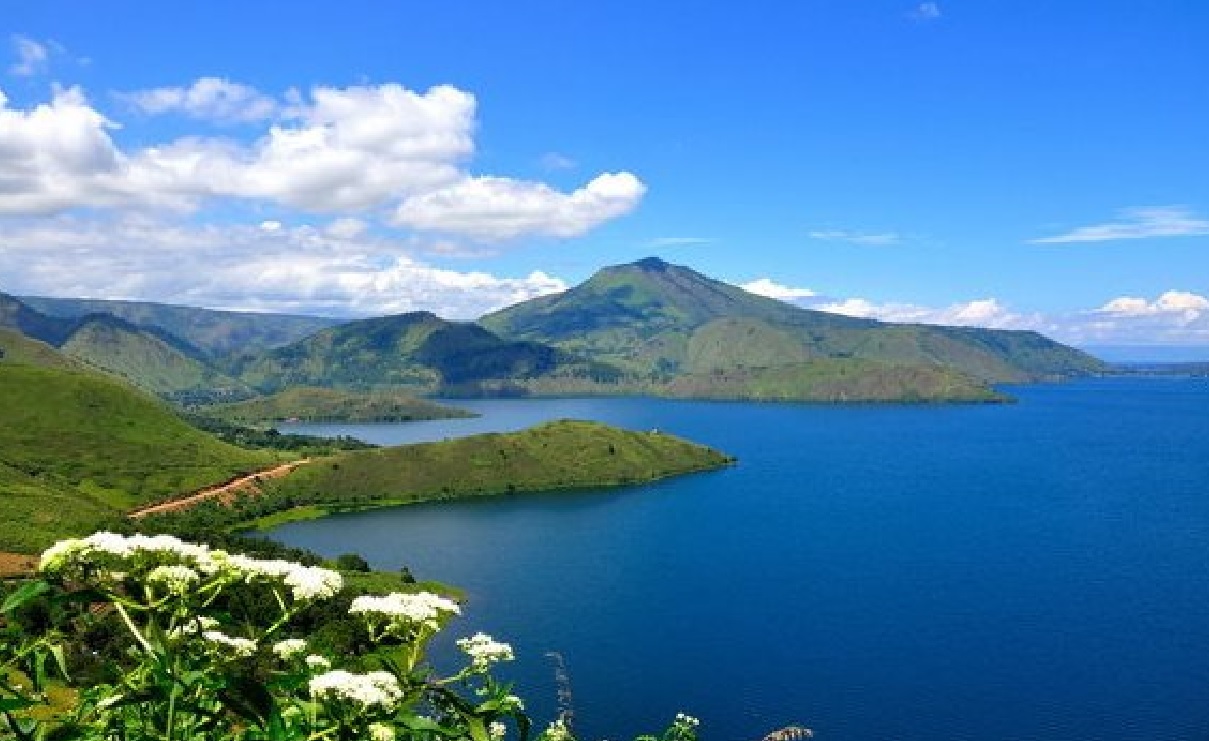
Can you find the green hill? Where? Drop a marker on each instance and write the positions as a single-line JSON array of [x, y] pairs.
[[149, 359], [17, 348], [110, 443], [667, 324], [214, 332], [419, 352], [566, 454], [312, 404]]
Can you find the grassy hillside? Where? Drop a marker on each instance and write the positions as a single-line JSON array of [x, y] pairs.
[[557, 455], [833, 380], [38, 510], [666, 324], [17, 348], [332, 405], [419, 352], [106, 440], [215, 332], [150, 360]]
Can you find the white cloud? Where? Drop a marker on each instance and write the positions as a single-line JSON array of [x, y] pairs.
[[1179, 305], [772, 289], [987, 312], [341, 150], [32, 57], [270, 266], [209, 98], [1138, 223], [840, 235], [59, 155], [926, 12], [493, 208]]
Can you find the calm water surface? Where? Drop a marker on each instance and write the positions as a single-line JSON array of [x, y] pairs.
[[1031, 571]]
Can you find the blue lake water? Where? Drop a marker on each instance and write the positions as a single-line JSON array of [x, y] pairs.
[[1030, 571]]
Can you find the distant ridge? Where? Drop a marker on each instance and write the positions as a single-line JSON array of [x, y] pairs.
[[666, 323]]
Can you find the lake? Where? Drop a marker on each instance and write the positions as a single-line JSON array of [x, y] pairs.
[[1037, 570]]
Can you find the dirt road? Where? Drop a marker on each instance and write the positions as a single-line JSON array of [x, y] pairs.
[[223, 492]]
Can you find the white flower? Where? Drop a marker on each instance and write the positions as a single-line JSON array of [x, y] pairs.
[[289, 648], [61, 554], [496, 731], [176, 579], [558, 731], [381, 732], [313, 582], [484, 650], [318, 662], [511, 703], [241, 648], [367, 690], [686, 721], [423, 608]]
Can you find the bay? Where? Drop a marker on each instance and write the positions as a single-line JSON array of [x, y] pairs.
[[1037, 570]]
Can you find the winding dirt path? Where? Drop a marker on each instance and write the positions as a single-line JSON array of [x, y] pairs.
[[223, 492]]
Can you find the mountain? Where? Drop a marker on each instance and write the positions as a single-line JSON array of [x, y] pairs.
[[667, 324], [417, 351], [147, 357], [214, 332], [16, 315]]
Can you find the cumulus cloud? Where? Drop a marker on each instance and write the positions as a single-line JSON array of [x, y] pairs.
[[1137, 223], [343, 151], [1173, 318], [32, 57], [59, 155], [493, 208], [772, 289], [987, 312], [1179, 305], [209, 98], [841, 235], [269, 266]]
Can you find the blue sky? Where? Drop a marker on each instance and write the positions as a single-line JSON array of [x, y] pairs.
[[1039, 165]]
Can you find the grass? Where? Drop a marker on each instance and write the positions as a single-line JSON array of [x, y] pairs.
[[106, 439], [554, 456]]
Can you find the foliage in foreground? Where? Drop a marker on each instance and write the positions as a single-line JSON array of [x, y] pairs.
[[190, 670]]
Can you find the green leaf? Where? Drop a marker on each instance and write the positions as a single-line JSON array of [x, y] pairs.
[[56, 650], [27, 591], [8, 704], [478, 731]]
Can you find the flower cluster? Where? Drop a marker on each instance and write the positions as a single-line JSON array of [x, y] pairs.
[[175, 579], [484, 651], [496, 731], [379, 689], [318, 662], [403, 611], [178, 565], [240, 648], [290, 648]]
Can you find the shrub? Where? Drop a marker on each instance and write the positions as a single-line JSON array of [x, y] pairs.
[[190, 670]]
